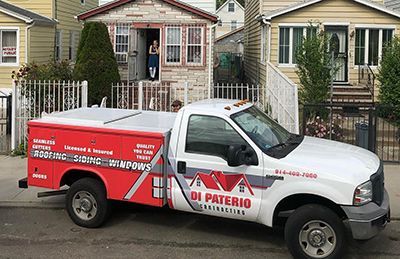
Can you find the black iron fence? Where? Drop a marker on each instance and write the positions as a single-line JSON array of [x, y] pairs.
[[365, 125]]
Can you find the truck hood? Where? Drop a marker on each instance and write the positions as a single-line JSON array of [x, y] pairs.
[[334, 160]]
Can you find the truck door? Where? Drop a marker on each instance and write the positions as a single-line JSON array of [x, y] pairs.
[[203, 180]]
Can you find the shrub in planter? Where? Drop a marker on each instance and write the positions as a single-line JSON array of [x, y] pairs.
[[96, 62]]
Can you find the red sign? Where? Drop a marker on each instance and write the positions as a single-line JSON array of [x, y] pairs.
[[9, 51]]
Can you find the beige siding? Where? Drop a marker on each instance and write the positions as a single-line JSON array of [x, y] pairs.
[[43, 7], [66, 12], [160, 13], [268, 5], [254, 69], [331, 11], [41, 44], [5, 70], [227, 17]]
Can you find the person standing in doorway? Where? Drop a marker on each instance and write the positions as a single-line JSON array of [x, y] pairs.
[[153, 59]]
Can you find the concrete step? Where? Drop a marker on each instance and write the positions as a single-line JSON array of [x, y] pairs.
[[350, 88]]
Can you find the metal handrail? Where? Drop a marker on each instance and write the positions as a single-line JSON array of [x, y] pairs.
[[369, 80]]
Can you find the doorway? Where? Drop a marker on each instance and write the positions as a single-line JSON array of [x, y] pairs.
[[338, 44], [145, 38]]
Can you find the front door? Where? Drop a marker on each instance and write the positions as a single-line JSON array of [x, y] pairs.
[[132, 55], [338, 45], [204, 182]]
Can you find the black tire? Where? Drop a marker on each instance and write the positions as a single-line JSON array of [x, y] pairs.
[[309, 221], [88, 191]]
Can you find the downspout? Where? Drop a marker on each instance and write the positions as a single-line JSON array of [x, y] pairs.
[[27, 31], [210, 58]]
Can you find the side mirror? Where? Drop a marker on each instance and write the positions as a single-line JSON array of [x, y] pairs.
[[241, 155]]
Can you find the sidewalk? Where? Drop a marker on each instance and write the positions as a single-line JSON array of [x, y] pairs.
[[14, 168]]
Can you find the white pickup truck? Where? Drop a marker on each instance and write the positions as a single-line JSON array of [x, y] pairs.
[[216, 157]]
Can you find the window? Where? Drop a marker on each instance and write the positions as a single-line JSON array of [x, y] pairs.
[[198, 182], [263, 43], [194, 45], [73, 35], [290, 39], [241, 188], [57, 51], [9, 46], [211, 136], [231, 7], [369, 45], [233, 25], [173, 45], [122, 43]]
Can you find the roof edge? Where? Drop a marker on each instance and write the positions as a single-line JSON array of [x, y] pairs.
[[117, 3], [226, 2]]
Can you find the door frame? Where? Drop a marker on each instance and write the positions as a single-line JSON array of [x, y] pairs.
[[155, 26], [345, 28]]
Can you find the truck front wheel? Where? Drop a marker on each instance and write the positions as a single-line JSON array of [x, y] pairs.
[[87, 204], [315, 231]]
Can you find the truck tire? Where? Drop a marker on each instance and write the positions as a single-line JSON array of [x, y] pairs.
[[315, 231], [87, 204]]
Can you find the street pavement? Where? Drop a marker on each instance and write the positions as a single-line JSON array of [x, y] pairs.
[[135, 231]]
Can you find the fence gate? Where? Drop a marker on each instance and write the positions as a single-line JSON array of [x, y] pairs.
[[5, 124], [32, 98]]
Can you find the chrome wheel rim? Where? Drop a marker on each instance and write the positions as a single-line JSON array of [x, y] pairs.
[[317, 239], [84, 205]]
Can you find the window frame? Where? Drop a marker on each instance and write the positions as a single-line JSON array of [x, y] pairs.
[[234, 25], [58, 46], [290, 27], [188, 45], [366, 28], [17, 61], [231, 4], [116, 34], [212, 155], [180, 45]]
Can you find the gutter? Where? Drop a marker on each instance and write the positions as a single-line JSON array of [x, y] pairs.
[[26, 40]]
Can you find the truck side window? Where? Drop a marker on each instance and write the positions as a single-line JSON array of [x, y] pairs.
[[210, 135]]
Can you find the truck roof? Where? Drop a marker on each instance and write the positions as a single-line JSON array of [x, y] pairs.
[[218, 106], [148, 121]]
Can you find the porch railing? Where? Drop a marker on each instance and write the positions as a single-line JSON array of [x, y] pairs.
[[366, 76], [282, 99]]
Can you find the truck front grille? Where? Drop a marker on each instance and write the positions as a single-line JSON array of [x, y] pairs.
[[378, 185]]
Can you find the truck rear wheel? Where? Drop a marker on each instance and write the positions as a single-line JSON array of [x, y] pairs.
[[315, 231], [87, 203]]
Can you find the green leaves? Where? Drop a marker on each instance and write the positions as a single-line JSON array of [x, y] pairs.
[[314, 68], [389, 78], [96, 62]]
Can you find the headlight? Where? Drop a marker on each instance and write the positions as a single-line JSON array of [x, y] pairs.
[[363, 194]]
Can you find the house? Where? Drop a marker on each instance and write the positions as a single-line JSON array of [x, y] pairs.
[[235, 184], [274, 29], [231, 14], [206, 5], [183, 33], [38, 31]]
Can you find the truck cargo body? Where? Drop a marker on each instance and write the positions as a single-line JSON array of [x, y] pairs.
[[128, 159]]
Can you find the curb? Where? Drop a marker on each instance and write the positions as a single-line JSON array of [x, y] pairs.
[[31, 205]]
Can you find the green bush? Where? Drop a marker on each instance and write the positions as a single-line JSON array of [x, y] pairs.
[[314, 68], [389, 80], [50, 71], [96, 62]]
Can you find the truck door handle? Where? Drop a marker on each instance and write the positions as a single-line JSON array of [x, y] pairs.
[[181, 167]]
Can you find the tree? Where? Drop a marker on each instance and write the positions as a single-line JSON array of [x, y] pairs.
[[314, 67], [96, 62], [389, 79]]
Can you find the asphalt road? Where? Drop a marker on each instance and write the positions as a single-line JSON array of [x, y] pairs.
[[143, 232]]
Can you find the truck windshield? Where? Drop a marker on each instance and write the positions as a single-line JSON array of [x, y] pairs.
[[264, 131]]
